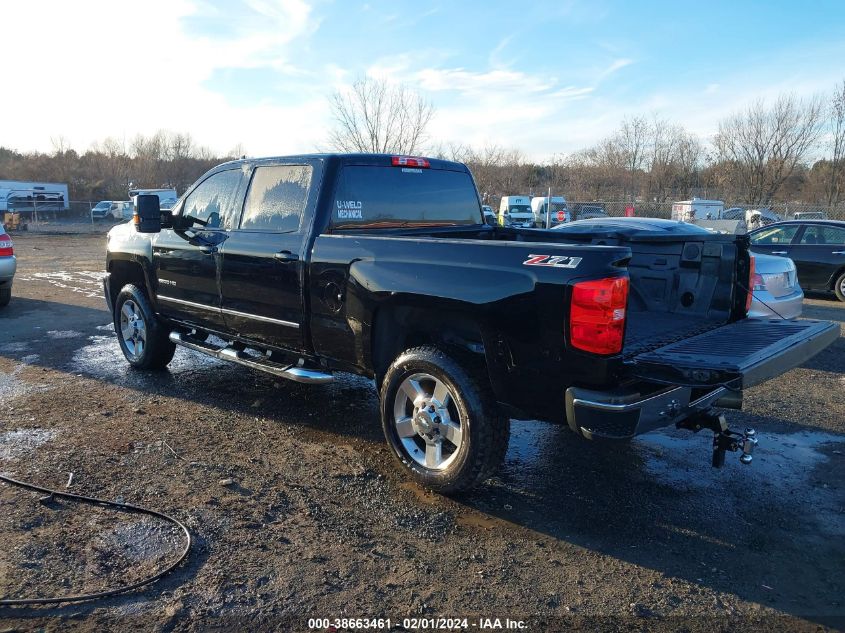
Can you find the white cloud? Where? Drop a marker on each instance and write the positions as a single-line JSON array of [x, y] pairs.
[[112, 68]]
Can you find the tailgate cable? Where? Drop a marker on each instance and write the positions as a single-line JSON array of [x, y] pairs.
[[127, 507], [761, 301]]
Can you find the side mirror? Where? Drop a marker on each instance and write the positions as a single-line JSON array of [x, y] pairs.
[[147, 217]]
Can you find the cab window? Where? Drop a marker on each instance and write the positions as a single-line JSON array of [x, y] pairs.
[[370, 197], [775, 235], [212, 201], [276, 198]]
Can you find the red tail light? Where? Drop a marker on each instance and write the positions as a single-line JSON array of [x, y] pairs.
[[6, 245], [751, 275], [409, 161], [597, 315]]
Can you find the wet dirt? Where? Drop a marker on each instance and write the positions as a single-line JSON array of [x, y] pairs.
[[317, 520]]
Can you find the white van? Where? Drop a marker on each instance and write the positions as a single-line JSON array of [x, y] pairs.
[[516, 211], [166, 197], [697, 209], [559, 214]]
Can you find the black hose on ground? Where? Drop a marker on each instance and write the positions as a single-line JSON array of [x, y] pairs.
[[99, 502]]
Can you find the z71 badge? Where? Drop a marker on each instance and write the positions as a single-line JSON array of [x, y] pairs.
[[557, 261]]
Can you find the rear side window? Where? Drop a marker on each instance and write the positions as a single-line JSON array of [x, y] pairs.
[[211, 202], [393, 197], [817, 234], [276, 198]]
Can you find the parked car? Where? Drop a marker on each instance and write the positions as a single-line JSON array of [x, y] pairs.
[[816, 246], [733, 213], [809, 215], [587, 212], [489, 215], [776, 292], [8, 265], [111, 209]]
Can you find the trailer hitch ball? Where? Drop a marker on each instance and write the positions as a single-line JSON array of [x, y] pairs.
[[749, 442], [728, 440]]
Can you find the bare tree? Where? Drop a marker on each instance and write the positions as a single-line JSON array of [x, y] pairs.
[[672, 159], [377, 117], [631, 141], [762, 146], [836, 177]]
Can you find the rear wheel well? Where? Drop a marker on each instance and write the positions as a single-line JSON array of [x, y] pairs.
[[122, 273], [835, 278], [398, 328]]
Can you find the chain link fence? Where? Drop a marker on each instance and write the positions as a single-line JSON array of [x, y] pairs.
[[784, 210], [38, 215]]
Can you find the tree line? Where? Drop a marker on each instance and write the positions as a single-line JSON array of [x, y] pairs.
[[108, 169], [791, 150]]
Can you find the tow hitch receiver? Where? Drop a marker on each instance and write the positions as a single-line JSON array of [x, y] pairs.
[[724, 439]]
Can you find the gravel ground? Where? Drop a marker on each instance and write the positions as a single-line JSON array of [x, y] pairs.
[[298, 511]]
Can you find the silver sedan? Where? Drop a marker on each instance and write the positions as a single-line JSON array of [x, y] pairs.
[[776, 292], [8, 264]]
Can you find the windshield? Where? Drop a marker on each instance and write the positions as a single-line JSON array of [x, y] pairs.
[[389, 197], [519, 208], [105, 204]]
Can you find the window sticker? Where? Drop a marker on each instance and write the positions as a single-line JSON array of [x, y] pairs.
[[349, 210]]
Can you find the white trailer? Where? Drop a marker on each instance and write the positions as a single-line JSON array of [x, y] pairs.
[[697, 209], [21, 196]]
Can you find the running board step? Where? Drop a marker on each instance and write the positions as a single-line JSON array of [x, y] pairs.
[[291, 372]]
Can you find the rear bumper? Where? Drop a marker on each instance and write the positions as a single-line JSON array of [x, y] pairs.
[[8, 266], [765, 305], [621, 415], [706, 370]]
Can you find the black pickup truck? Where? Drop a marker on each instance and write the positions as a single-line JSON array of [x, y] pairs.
[[383, 266]]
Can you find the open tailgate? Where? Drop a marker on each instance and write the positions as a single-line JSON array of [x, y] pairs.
[[741, 354]]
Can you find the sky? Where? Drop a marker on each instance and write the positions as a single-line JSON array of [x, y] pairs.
[[547, 78]]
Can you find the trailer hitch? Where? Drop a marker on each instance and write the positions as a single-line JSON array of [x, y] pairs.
[[724, 439]]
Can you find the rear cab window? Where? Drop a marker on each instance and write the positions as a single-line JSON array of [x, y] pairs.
[[373, 197]]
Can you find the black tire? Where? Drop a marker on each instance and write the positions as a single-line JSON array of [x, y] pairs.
[[839, 287], [485, 431], [5, 296], [157, 349]]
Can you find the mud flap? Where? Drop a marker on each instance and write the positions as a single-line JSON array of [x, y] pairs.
[[738, 355]]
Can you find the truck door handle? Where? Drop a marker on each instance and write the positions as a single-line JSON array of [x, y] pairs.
[[778, 252], [286, 256], [838, 253]]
